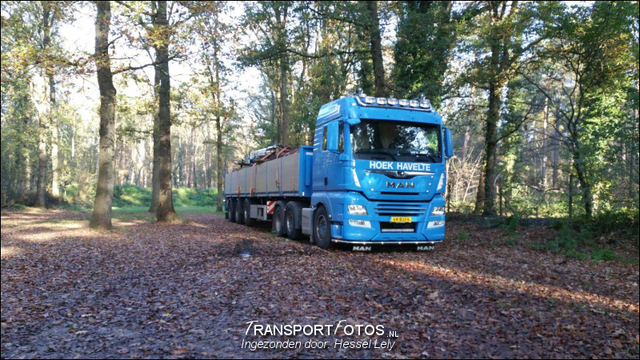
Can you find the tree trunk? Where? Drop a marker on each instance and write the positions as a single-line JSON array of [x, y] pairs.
[[556, 154], [585, 185], [491, 145], [480, 195], [376, 49], [55, 160], [545, 126], [165, 211], [155, 175], [284, 106], [42, 122], [467, 128], [42, 162], [219, 164], [101, 218]]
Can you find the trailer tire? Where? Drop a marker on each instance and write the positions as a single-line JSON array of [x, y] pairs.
[[277, 221], [322, 228], [239, 213], [247, 213], [292, 220], [232, 210]]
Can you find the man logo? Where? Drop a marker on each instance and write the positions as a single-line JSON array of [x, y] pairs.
[[401, 185], [426, 248], [361, 248]]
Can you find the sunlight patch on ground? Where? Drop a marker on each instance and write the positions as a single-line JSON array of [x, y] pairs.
[[520, 286], [9, 251]]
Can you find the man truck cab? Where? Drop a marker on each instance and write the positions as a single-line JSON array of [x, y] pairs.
[[375, 175]]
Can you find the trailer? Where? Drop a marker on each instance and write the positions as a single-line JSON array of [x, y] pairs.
[[375, 175]]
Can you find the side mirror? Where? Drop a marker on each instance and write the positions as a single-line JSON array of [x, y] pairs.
[[333, 129], [352, 117], [448, 143]]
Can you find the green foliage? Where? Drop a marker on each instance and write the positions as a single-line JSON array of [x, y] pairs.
[[511, 224], [622, 224], [587, 237], [130, 195], [426, 36], [133, 196], [604, 254], [463, 236]]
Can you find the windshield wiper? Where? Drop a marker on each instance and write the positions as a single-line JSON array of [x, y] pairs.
[[375, 151], [433, 159]]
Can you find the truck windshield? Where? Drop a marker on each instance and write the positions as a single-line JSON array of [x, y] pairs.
[[396, 140]]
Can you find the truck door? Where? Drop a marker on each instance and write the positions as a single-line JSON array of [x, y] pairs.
[[328, 172]]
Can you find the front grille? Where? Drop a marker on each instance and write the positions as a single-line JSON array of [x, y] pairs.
[[400, 209], [387, 227]]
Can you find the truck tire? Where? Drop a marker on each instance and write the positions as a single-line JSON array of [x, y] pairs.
[[292, 220], [232, 210], [239, 213], [247, 213], [322, 228], [277, 221]]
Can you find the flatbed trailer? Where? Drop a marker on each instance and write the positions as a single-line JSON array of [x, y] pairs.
[[375, 175]]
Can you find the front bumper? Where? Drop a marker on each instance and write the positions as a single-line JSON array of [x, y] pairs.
[[378, 226]]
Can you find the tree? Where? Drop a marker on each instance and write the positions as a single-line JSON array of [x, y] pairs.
[[269, 21], [502, 32], [214, 35], [373, 26], [588, 63], [426, 37], [165, 212], [101, 218]]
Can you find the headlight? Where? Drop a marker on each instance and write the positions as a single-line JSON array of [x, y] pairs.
[[438, 210], [360, 223], [357, 210], [433, 224]]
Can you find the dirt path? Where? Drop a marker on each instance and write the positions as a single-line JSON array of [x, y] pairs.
[[188, 290]]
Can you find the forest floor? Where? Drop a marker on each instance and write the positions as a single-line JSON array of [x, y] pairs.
[[147, 290]]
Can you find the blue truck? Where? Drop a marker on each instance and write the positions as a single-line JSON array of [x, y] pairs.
[[375, 175]]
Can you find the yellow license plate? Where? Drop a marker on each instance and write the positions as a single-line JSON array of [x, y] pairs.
[[400, 219]]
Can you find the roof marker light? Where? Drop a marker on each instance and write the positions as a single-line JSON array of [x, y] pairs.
[[414, 103], [392, 101], [425, 104], [403, 102], [381, 101], [369, 99]]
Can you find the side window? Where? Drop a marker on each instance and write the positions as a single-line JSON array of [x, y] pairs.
[[324, 138], [341, 138]]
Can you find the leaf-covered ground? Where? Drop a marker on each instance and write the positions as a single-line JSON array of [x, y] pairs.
[[188, 289]]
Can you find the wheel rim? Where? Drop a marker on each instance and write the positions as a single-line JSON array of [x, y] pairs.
[[321, 229], [246, 214], [278, 221], [289, 221]]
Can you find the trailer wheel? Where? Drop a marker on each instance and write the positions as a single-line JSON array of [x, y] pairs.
[[239, 213], [247, 213], [232, 210], [322, 228], [292, 215], [277, 223]]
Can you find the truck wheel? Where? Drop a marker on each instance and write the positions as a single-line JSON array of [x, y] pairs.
[[247, 213], [292, 215], [232, 210], [322, 228], [239, 213], [277, 223]]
